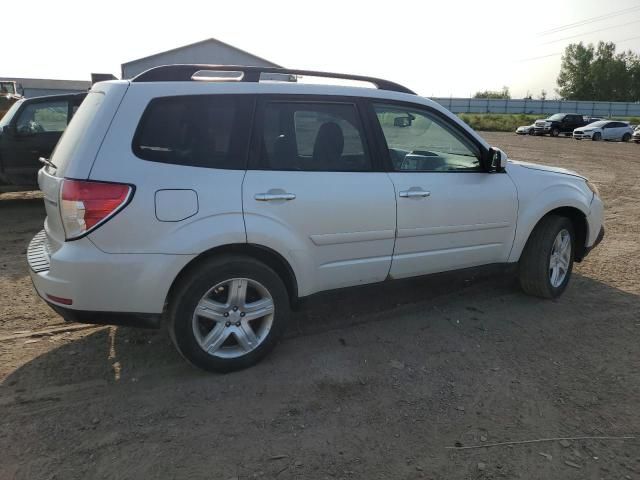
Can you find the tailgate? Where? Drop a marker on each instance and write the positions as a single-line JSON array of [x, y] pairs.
[[76, 151], [50, 186]]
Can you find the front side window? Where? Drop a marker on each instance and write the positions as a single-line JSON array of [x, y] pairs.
[[43, 117], [312, 137], [196, 130], [422, 142]]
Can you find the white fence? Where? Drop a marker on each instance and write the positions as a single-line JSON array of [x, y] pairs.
[[540, 107]]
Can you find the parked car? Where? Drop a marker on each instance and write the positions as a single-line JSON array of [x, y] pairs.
[[604, 130], [636, 134], [560, 123], [526, 130], [30, 130], [211, 207]]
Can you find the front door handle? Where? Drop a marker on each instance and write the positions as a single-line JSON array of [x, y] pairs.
[[269, 197], [414, 194]]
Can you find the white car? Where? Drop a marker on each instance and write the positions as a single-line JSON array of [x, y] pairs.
[[636, 134], [526, 130], [200, 199], [604, 130]]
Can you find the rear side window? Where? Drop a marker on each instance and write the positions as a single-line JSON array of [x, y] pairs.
[[313, 136], [196, 130], [43, 117]]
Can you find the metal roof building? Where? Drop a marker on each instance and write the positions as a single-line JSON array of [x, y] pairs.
[[210, 51], [37, 87]]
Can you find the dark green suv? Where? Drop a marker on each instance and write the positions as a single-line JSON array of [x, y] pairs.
[[30, 130]]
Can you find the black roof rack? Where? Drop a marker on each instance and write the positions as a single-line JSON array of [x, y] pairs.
[[183, 73]]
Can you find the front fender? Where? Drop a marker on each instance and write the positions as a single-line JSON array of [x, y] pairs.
[[535, 205]]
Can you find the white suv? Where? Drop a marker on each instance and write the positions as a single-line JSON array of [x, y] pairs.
[[208, 201]]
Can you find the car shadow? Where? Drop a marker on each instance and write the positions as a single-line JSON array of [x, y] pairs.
[[123, 354]]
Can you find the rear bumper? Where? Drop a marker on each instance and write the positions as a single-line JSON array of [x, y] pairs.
[[142, 320], [101, 287]]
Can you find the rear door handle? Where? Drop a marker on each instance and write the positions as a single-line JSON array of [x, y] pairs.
[[414, 194], [269, 197]]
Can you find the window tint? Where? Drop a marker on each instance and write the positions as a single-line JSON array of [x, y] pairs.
[[196, 130], [313, 136], [43, 117], [420, 141]]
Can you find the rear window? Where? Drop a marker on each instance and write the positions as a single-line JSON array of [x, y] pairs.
[[73, 134], [196, 130]]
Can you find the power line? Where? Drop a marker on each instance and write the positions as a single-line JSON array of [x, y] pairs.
[[590, 32], [561, 53], [587, 21]]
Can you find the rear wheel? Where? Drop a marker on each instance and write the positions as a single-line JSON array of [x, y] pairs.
[[596, 137], [228, 313], [626, 137], [547, 260]]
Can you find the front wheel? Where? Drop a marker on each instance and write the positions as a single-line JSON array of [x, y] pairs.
[[228, 313], [596, 137], [626, 137], [547, 260], [555, 131]]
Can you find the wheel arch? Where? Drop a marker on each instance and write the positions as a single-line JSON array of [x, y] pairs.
[[580, 227], [266, 255]]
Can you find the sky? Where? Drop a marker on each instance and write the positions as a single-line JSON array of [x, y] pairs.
[[437, 48]]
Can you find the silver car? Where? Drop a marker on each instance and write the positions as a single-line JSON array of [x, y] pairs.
[[604, 130]]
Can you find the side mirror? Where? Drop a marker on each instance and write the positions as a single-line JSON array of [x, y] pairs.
[[403, 121], [10, 130], [497, 160]]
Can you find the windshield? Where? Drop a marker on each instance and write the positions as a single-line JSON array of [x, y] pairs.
[[557, 116], [7, 87], [6, 120]]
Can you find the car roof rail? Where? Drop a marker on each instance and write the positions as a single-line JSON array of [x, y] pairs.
[[239, 73]]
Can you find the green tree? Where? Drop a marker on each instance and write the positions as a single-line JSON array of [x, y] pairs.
[[574, 82], [599, 73], [504, 93]]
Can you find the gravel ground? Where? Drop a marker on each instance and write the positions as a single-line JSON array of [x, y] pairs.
[[375, 382]]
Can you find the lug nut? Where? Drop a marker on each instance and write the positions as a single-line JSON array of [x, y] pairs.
[[227, 324], [242, 314], [235, 309], [237, 324], [226, 314]]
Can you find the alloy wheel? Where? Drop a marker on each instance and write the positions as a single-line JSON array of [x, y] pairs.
[[560, 258], [233, 318]]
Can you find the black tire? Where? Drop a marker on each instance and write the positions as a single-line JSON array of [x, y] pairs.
[[596, 137], [197, 283], [533, 269], [626, 137], [555, 131], [532, 132]]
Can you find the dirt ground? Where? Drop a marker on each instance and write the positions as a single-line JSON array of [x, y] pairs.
[[376, 382]]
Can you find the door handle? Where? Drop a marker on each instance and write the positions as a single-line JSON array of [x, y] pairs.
[[414, 194], [269, 197]]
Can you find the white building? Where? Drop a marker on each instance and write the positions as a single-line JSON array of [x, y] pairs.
[[210, 51]]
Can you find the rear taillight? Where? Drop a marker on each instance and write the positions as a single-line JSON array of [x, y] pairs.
[[85, 205]]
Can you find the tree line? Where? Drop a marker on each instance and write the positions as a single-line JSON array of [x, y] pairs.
[[598, 73], [591, 72]]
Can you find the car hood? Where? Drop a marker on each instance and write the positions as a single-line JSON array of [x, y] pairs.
[[544, 168]]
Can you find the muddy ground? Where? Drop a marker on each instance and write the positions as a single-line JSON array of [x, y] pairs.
[[377, 382]]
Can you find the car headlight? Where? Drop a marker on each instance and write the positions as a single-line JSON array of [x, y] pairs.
[[593, 188]]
